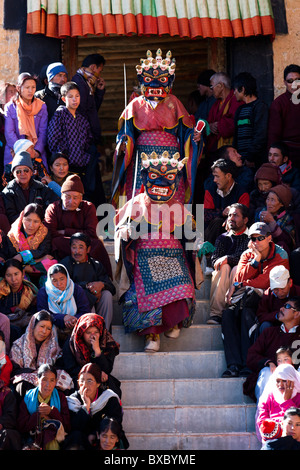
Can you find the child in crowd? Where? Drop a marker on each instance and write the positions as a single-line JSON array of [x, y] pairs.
[[69, 132]]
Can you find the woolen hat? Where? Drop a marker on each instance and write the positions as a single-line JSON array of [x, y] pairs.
[[21, 159], [270, 429], [54, 69], [259, 227], [22, 145], [279, 277], [270, 172], [72, 183], [283, 193]]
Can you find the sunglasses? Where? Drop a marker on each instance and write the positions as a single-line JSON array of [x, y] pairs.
[[292, 80], [289, 307], [19, 172], [257, 239]]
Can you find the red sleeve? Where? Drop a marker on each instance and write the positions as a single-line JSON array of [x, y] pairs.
[[6, 371], [208, 200], [244, 199]]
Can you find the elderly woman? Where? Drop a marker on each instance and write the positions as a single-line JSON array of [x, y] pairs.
[[65, 300], [91, 342], [31, 239], [73, 214], [88, 406], [281, 393], [44, 416], [26, 117], [37, 346], [17, 300], [276, 215]]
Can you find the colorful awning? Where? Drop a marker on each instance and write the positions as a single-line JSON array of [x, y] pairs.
[[183, 18]]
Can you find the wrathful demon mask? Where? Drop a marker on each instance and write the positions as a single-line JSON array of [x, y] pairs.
[[156, 75], [161, 175]]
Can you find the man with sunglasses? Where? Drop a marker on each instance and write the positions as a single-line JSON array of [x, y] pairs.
[[253, 271], [24, 189], [284, 115], [262, 354]]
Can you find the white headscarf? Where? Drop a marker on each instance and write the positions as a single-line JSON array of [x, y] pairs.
[[283, 372], [61, 301]]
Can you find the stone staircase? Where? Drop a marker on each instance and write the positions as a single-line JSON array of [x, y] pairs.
[[175, 399]]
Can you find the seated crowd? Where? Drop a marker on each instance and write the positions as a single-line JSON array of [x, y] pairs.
[[57, 352], [251, 245]]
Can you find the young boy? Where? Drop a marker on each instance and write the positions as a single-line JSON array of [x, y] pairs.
[[69, 132]]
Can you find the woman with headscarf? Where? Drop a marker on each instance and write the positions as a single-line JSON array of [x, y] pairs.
[[44, 416], [91, 342], [281, 393], [31, 242], [277, 215], [37, 346], [88, 406], [65, 300]]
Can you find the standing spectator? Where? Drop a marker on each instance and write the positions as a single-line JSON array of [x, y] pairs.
[[251, 121], [26, 117], [218, 198], [279, 156], [221, 115], [284, 116], [24, 189], [208, 99], [228, 249], [92, 89], [69, 132], [57, 76]]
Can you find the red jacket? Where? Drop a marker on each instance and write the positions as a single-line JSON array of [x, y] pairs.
[[257, 275]]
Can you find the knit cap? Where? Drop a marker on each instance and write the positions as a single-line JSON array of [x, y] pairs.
[[270, 430], [22, 145], [21, 159], [270, 172], [72, 183], [54, 69], [283, 193]]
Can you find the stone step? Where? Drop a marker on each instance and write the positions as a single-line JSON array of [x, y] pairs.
[[169, 365], [194, 338], [184, 392], [193, 441], [212, 419]]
